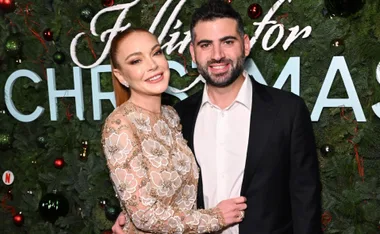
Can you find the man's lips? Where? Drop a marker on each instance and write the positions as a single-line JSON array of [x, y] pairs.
[[219, 68]]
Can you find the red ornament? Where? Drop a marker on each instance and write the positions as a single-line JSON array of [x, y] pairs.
[[326, 219], [254, 11], [48, 34], [228, 1], [7, 5], [106, 3], [107, 232], [59, 163], [18, 219]]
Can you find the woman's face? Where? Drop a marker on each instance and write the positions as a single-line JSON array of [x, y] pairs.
[[142, 65]]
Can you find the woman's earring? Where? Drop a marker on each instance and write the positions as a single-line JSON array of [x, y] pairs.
[[125, 84]]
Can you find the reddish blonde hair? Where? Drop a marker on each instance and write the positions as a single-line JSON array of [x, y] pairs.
[[122, 93]]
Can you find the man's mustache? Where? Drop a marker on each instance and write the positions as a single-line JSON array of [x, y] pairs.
[[223, 60]]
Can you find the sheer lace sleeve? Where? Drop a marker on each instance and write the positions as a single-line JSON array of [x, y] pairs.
[[146, 184]]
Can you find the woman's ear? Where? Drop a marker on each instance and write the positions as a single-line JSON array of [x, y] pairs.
[[120, 77]]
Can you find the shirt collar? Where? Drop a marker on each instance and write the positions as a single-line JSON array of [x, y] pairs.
[[244, 96]]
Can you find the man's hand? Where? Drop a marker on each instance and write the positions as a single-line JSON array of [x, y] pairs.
[[117, 228]]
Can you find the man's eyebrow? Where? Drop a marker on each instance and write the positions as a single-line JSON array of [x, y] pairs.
[[203, 41], [221, 39], [227, 38]]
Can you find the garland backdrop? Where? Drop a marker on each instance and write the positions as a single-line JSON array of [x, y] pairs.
[[56, 91]]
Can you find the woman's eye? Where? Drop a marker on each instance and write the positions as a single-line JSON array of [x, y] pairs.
[[133, 62], [158, 52]]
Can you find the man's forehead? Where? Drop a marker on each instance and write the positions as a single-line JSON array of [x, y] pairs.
[[222, 21], [215, 29]]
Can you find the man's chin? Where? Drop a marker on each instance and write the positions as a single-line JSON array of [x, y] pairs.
[[223, 76], [219, 83], [219, 80]]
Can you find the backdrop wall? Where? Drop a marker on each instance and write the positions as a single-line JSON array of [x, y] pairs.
[[56, 91]]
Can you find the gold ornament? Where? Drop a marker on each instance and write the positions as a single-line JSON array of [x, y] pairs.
[[83, 155]]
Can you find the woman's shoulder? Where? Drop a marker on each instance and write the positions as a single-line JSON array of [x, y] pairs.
[[118, 117], [169, 110], [117, 113], [171, 115]]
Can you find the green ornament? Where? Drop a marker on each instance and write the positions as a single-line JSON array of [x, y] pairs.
[[59, 57], [5, 141], [41, 142], [13, 45], [99, 218], [112, 212], [87, 13]]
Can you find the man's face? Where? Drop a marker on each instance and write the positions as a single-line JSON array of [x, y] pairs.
[[219, 51]]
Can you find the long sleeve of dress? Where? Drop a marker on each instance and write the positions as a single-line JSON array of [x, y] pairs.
[[150, 181]]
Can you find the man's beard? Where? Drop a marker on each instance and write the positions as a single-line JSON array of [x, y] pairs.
[[234, 73]]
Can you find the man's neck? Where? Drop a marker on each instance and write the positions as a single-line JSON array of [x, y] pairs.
[[223, 97]]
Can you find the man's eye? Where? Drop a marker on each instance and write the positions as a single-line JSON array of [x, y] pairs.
[[229, 42], [205, 45]]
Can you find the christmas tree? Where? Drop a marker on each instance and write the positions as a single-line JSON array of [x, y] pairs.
[[55, 178]]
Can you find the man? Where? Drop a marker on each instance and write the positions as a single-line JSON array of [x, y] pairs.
[[248, 139]]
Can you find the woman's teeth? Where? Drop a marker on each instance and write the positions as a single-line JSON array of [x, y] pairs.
[[155, 78]]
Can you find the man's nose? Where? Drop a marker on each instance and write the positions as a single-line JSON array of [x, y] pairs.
[[217, 53]]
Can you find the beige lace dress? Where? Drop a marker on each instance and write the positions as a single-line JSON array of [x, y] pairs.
[[154, 173]]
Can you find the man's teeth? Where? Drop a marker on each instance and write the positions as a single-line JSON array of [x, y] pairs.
[[219, 67], [155, 78]]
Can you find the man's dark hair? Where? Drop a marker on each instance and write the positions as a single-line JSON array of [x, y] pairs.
[[215, 9]]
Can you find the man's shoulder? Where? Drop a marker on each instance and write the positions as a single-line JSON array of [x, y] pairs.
[[277, 95]]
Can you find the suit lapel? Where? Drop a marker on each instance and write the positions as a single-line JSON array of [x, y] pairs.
[[263, 113], [188, 120]]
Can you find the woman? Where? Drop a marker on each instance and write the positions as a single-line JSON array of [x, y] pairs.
[[153, 171]]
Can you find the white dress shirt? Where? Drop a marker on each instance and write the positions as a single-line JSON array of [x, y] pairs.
[[220, 145]]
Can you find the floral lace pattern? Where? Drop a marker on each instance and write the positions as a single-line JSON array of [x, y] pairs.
[[154, 173]]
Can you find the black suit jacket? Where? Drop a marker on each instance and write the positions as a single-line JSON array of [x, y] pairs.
[[281, 178]]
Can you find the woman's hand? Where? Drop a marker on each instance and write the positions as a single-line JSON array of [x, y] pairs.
[[117, 228], [232, 210]]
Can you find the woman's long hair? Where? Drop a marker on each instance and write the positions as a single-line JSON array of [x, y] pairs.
[[122, 93]]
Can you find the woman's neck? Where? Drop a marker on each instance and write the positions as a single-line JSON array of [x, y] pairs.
[[150, 103]]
